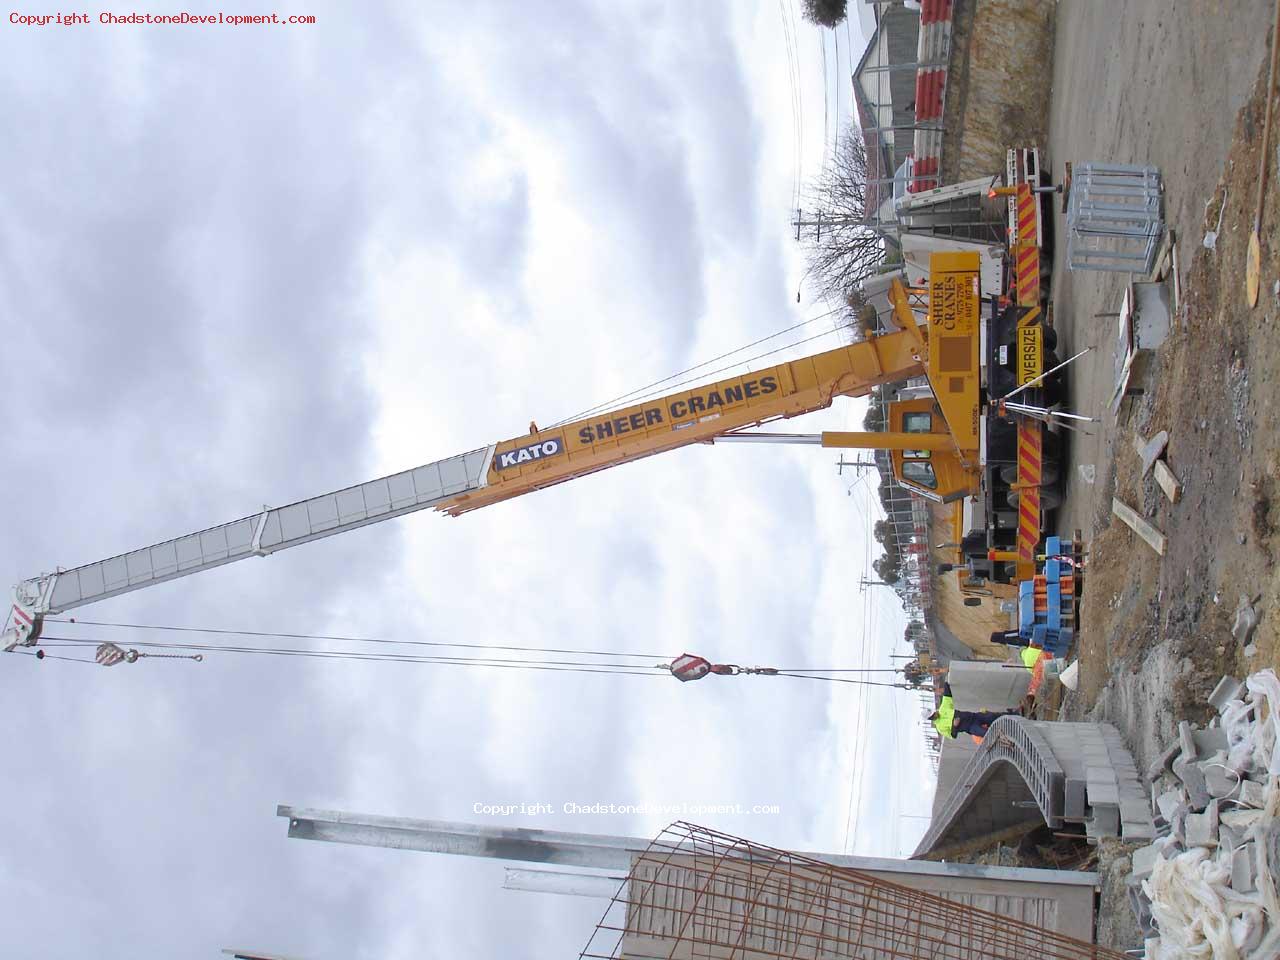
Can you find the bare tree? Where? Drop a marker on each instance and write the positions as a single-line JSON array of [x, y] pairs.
[[841, 248]]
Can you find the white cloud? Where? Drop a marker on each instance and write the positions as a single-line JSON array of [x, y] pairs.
[[300, 259]]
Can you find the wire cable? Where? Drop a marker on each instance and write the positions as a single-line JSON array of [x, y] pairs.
[[343, 639], [648, 389], [731, 366], [41, 655], [629, 669], [592, 666]]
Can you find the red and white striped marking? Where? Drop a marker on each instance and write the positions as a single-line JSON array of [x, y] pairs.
[[931, 86], [23, 619], [688, 667]]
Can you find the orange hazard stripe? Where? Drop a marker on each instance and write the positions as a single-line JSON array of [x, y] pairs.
[[1027, 256], [1028, 524], [1030, 471], [1026, 214], [1030, 452], [1028, 276]]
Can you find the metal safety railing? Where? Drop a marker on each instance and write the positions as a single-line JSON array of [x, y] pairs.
[[1115, 220]]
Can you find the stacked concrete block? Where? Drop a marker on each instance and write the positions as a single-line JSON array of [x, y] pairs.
[[1207, 799], [1058, 773]]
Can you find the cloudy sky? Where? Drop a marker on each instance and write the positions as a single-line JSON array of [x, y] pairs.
[[241, 266]]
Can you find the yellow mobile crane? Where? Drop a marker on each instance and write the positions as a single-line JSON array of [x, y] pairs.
[[946, 348]]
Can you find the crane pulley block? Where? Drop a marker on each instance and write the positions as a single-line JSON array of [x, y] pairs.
[[23, 629], [688, 667]]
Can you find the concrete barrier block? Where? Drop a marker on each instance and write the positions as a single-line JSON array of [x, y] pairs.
[[1229, 837], [1243, 865], [1169, 801], [1164, 762], [1137, 811], [1208, 742], [1202, 828], [1228, 688], [1187, 741], [1144, 859], [1192, 777], [1219, 781], [1104, 820], [1073, 801], [1137, 830], [1102, 786], [1252, 793]]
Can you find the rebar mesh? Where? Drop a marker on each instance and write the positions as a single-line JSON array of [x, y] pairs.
[[696, 894]]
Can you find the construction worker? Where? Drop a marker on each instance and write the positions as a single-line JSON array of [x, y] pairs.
[[1029, 655], [949, 721], [1012, 638]]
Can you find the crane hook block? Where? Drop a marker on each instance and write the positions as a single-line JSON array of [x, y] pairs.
[[108, 655], [689, 667]]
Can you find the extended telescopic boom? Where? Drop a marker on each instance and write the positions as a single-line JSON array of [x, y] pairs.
[[486, 475]]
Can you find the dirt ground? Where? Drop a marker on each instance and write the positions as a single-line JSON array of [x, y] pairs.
[[1178, 86]]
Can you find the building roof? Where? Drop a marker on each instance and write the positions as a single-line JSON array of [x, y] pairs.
[[899, 29]]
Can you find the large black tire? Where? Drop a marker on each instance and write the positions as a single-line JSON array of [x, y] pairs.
[[1001, 381], [1050, 499], [1054, 388], [1048, 474], [1050, 342]]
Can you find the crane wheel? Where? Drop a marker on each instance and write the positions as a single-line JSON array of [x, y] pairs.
[[1050, 499]]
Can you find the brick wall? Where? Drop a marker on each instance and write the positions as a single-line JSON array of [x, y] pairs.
[[999, 80]]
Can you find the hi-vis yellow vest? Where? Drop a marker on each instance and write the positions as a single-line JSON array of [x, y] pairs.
[[946, 718], [1030, 657]]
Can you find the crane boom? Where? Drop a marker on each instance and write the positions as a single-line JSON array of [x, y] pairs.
[[486, 475], [260, 534]]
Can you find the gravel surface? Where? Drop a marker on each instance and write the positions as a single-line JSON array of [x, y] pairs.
[[1177, 85]]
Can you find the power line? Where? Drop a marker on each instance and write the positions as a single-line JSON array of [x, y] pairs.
[[826, 97], [835, 38], [797, 103]]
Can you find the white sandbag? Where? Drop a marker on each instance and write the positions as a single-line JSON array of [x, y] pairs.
[[1264, 685]]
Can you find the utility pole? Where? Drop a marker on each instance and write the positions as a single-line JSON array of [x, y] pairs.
[[859, 465], [829, 220], [801, 222], [873, 583]]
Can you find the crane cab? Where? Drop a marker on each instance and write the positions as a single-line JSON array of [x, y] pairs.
[[932, 467]]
